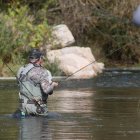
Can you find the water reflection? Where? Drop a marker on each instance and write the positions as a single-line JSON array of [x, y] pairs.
[[73, 101], [82, 114], [34, 128], [9, 128], [42, 129]]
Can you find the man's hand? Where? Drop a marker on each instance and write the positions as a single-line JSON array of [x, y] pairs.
[[55, 84]]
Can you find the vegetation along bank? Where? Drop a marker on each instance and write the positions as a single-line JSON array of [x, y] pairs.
[[103, 26]]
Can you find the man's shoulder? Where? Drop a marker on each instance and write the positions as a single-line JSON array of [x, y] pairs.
[[38, 70], [38, 73]]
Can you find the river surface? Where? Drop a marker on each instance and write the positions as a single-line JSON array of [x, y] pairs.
[[107, 108]]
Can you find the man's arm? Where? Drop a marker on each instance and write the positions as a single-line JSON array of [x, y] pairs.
[[47, 87]]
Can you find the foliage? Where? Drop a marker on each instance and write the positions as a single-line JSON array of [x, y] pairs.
[[53, 67], [19, 33], [102, 24], [117, 32], [107, 23]]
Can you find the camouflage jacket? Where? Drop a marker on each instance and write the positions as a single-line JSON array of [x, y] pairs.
[[39, 75]]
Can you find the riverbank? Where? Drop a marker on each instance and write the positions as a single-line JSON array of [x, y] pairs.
[[111, 70], [111, 77]]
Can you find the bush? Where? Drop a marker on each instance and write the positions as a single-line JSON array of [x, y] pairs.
[[117, 32], [19, 33], [53, 67], [107, 23]]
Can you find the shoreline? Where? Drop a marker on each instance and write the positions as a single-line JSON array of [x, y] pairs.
[[109, 78], [14, 78], [113, 70]]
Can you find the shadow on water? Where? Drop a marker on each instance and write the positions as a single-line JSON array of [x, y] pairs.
[[104, 108]]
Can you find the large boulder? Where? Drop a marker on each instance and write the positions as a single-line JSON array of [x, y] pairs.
[[78, 60], [61, 37]]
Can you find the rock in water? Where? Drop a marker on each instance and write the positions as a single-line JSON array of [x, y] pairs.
[[136, 16]]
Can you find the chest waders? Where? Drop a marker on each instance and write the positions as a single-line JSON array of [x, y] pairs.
[[29, 90]]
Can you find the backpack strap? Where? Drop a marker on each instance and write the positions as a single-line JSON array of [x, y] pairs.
[[27, 68]]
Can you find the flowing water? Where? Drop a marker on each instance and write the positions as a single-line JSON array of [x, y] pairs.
[[106, 108]]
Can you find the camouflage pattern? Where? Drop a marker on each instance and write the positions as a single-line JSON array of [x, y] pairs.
[[41, 77]]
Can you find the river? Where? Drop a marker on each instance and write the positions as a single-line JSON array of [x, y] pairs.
[[104, 108]]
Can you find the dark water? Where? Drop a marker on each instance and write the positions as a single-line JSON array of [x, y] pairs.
[[107, 111]]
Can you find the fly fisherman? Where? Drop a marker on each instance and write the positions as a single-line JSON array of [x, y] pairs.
[[35, 84]]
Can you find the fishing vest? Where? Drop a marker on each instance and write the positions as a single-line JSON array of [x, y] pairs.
[[27, 87]]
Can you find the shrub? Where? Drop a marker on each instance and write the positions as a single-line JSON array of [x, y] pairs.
[[107, 23], [53, 67], [19, 33]]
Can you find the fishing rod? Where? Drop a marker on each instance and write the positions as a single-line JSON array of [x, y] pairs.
[[36, 102], [91, 63], [17, 77], [67, 77]]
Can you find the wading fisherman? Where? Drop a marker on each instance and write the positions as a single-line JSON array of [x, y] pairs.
[[35, 85]]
